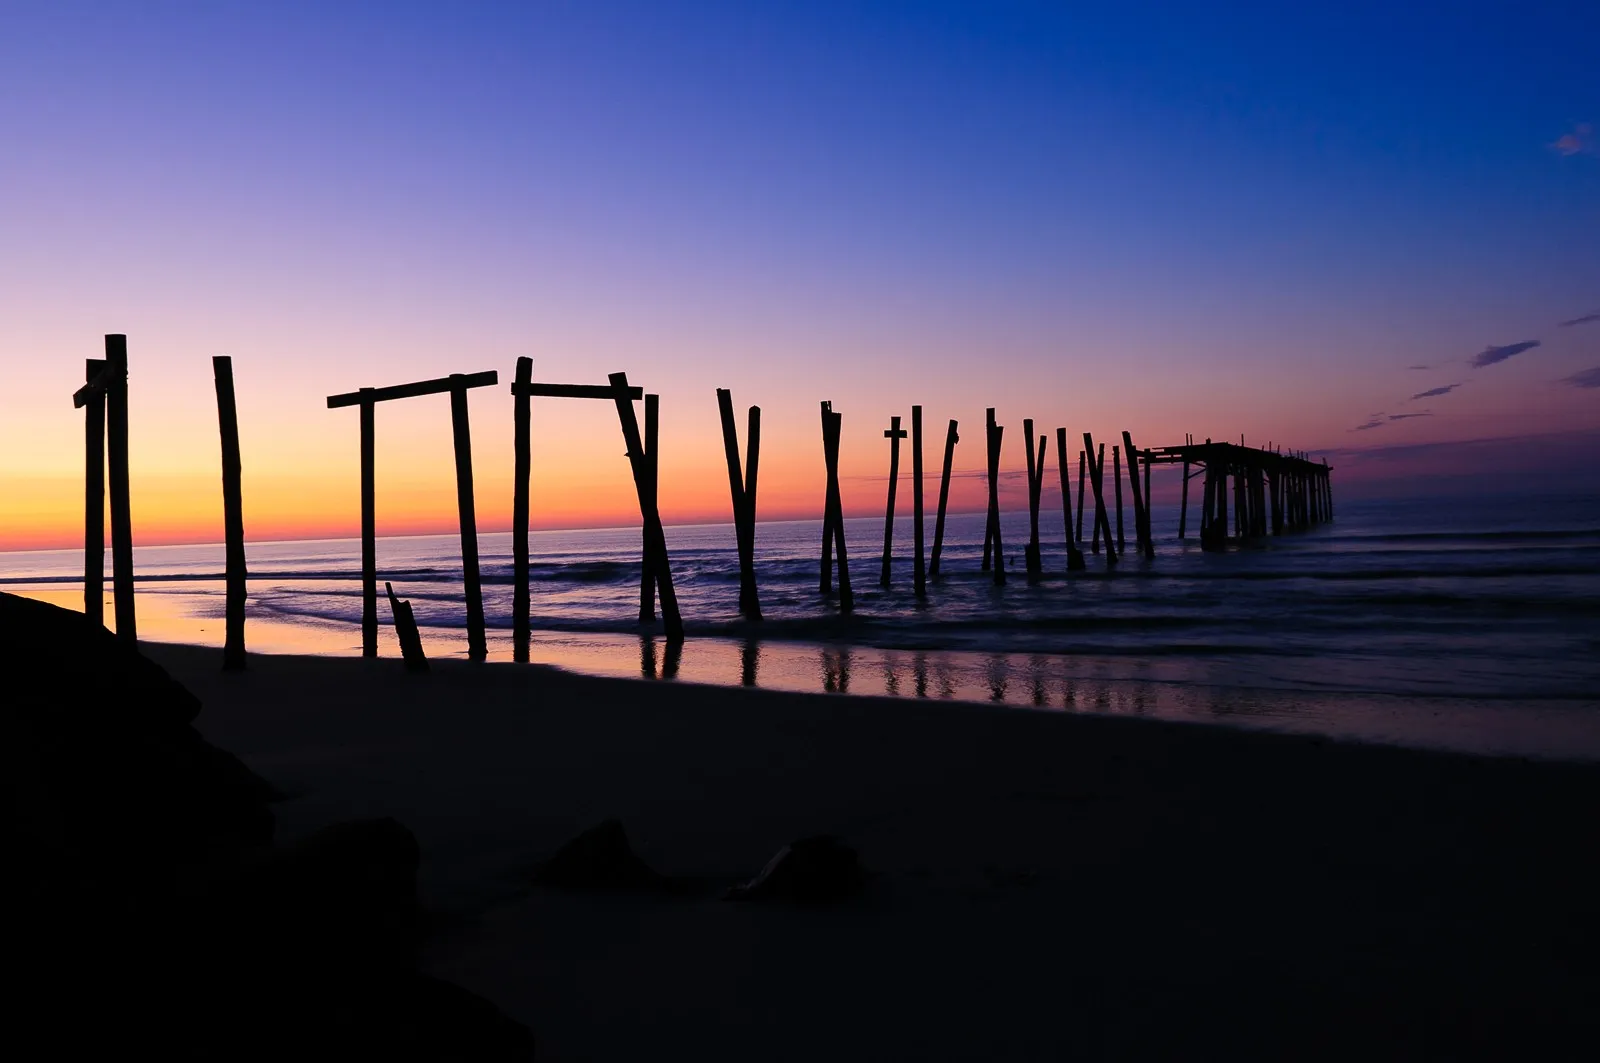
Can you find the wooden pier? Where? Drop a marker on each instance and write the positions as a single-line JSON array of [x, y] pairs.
[[1273, 492]]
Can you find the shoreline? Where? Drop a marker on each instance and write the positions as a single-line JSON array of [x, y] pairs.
[[1045, 883]]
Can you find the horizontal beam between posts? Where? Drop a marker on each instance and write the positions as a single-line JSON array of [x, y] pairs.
[[572, 391], [421, 387]]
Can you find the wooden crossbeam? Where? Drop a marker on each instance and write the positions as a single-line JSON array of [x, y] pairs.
[[411, 391], [570, 391]]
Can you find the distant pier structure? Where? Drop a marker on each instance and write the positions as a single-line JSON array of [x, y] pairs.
[[1272, 492]]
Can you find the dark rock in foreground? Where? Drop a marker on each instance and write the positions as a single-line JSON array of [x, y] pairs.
[[819, 870], [601, 859], [145, 905]]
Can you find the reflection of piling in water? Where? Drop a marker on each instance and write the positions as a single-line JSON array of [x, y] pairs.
[[749, 662]]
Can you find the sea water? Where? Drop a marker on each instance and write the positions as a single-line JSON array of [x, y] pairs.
[[1470, 624]]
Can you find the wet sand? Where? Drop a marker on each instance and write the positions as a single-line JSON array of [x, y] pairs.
[[1045, 885]]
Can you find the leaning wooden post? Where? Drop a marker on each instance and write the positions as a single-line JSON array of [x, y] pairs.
[[477, 643], [989, 521], [1097, 473], [1083, 468], [833, 512], [995, 434], [1183, 509], [894, 435], [919, 574], [1035, 477], [117, 460], [950, 441], [655, 537], [647, 572], [730, 452], [1074, 555], [1102, 523], [233, 658], [1116, 479], [1141, 500], [94, 494], [752, 466], [522, 401]]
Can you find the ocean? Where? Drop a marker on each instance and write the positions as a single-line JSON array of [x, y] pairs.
[[1469, 624]]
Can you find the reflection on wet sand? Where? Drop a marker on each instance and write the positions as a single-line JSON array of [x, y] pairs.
[[1219, 689]]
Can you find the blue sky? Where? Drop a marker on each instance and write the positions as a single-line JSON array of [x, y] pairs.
[[1172, 217]]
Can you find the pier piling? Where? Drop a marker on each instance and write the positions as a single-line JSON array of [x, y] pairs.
[[950, 441], [894, 434], [94, 493], [919, 573], [233, 652], [1074, 555]]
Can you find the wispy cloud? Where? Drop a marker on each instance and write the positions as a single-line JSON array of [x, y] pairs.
[[1495, 355], [1581, 141], [1584, 320], [1419, 367], [1589, 378], [1407, 416], [1434, 392], [1374, 423]]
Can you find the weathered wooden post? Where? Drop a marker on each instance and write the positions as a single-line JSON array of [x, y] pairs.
[[989, 520], [1097, 473], [1031, 560], [1116, 479], [1144, 503], [833, 512], [233, 656], [1183, 508], [643, 481], [522, 403], [94, 493], [117, 460], [1097, 482], [369, 527], [1074, 555], [457, 385], [743, 501], [405, 630], [995, 434], [894, 434], [1083, 468], [919, 573], [1241, 511], [1141, 511], [950, 441], [477, 642], [647, 566]]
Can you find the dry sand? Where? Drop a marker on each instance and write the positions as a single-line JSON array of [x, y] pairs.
[[1045, 886]]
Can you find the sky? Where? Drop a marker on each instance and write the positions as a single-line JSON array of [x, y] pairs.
[[1287, 222]]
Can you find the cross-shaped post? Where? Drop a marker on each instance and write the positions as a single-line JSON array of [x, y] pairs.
[[105, 394], [894, 434]]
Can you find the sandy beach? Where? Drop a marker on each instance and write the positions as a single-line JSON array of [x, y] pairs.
[[1044, 885]]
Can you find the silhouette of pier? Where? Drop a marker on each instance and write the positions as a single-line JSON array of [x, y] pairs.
[[1273, 493]]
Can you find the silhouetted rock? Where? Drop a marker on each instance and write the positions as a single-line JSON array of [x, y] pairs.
[[145, 906], [600, 858], [815, 870]]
